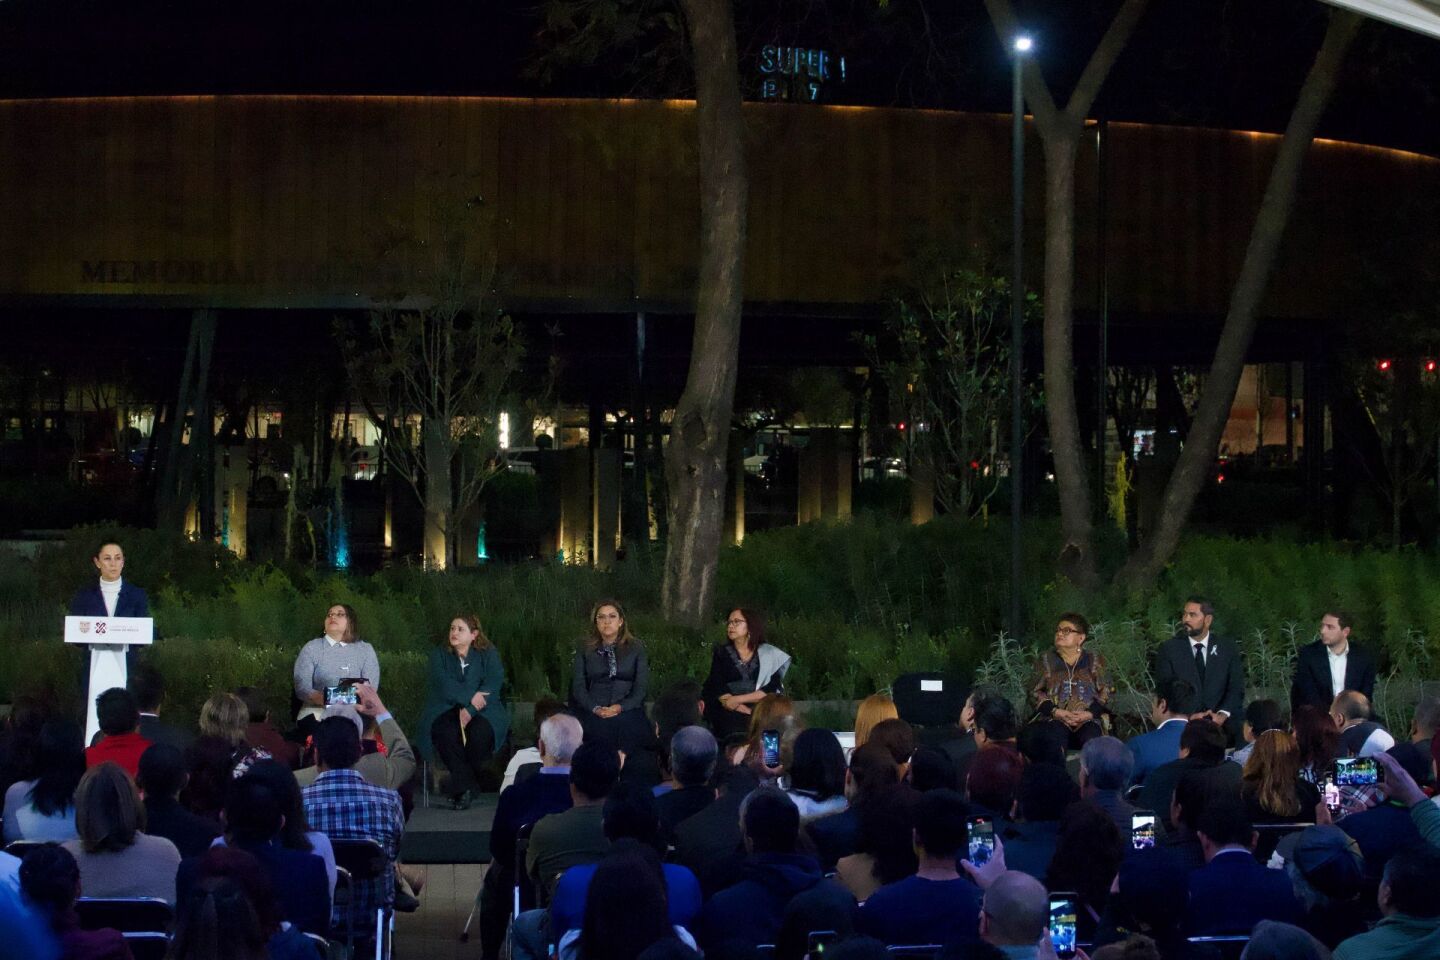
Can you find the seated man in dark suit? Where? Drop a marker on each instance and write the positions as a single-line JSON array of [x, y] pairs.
[[162, 776], [693, 751], [1331, 664], [751, 911], [1104, 773], [1045, 791], [571, 837], [711, 843], [1233, 892], [524, 802], [1169, 711], [1209, 663], [148, 687], [253, 818], [1202, 747], [1194, 791]]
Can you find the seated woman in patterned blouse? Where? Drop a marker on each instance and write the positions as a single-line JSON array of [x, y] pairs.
[[1071, 692]]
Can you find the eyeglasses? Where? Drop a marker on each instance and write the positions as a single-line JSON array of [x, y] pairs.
[[733, 623], [607, 616], [1068, 631]]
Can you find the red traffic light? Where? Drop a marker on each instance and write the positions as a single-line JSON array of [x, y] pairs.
[[1383, 366], [1429, 366]]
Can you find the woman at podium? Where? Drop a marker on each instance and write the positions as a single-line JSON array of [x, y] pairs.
[[111, 596]]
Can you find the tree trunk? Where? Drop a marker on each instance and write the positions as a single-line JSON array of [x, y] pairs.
[[1077, 558], [1203, 438], [436, 451], [695, 458]]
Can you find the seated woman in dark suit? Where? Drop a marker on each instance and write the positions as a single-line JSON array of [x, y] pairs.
[[610, 677], [743, 671], [1070, 691]]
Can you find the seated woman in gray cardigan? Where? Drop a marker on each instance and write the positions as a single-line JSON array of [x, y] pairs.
[[610, 679]]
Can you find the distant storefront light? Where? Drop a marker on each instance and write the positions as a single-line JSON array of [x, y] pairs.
[[798, 73]]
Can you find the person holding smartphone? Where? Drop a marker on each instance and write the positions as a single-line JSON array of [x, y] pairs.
[[330, 659], [464, 721], [743, 671]]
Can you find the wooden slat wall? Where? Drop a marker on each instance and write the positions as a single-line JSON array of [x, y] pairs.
[[594, 203]]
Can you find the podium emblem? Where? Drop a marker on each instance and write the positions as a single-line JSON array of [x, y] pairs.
[[99, 628], [84, 626]]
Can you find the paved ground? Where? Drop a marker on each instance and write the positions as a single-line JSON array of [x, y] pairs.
[[433, 931]]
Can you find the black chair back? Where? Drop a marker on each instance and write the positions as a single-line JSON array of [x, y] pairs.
[[929, 699], [147, 946], [126, 914], [915, 951], [1228, 947], [525, 896], [18, 848], [364, 859]]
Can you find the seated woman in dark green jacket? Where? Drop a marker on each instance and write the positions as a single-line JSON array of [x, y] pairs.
[[464, 721]]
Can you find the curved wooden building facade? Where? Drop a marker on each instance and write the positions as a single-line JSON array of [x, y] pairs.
[[591, 205]]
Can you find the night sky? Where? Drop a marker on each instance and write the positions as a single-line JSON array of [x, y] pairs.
[[1231, 63]]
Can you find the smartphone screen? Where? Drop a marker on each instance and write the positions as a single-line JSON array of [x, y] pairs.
[[982, 841], [1142, 829], [341, 694], [770, 747], [1062, 924], [1332, 793], [1356, 772]]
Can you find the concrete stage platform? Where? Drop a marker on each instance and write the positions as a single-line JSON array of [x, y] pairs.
[[438, 834]]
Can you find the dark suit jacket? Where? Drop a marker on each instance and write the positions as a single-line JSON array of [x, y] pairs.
[[301, 886], [1311, 686], [677, 806], [191, 833], [591, 685], [1155, 749], [522, 803], [1232, 893], [89, 602], [1159, 786], [710, 843], [1224, 684]]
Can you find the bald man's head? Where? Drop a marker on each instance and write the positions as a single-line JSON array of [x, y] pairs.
[[1016, 910], [1352, 705]]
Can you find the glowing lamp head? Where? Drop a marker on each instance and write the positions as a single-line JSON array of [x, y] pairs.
[[1429, 366], [1024, 44]]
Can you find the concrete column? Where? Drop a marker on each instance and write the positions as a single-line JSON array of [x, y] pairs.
[[811, 468], [735, 494], [575, 515], [922, 491], [605, 497]]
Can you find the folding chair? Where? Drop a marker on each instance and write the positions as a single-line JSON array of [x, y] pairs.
[[1228, 947], [365, 861], [126, 914], [916, 951], [522, 894], [18, 848], [148, 946]]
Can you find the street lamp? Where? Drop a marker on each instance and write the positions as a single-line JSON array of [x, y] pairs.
[[1022, 45]]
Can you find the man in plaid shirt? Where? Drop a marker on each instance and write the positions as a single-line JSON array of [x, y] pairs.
[[343, 806]]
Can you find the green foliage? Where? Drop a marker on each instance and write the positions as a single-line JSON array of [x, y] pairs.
[[854, 604], [945, 356]]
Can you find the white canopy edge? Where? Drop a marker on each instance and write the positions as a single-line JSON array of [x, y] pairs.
[[1422, 16]]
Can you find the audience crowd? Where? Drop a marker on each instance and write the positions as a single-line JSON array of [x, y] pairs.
[[1229, 829]]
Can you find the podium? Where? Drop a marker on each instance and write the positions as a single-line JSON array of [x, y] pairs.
[[109, 639]]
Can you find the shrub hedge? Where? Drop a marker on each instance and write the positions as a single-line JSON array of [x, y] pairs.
[[855, 604]]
